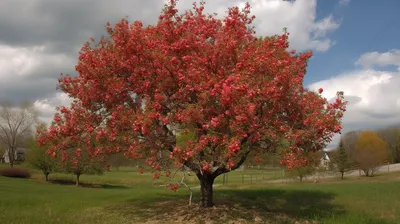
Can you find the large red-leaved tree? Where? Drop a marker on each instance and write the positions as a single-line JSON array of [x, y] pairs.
[[236, 94]]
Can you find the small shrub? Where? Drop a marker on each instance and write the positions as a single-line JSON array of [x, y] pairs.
[[15, 172]]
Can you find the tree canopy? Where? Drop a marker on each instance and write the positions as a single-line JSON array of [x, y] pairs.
[[370, 152], [140, 88]]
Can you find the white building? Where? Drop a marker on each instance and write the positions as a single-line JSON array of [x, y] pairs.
[[19, 156], [325, 160]]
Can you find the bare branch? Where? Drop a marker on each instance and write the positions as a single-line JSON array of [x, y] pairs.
[[183, 183]]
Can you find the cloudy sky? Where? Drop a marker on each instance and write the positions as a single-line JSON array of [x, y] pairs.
[[355, 43]]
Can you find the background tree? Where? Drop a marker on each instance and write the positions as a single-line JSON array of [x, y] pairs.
[[268, 159], [349, 140], [370, 152], [340, 161], [2, 151], [391, 136], [118, 159], [38, 158], [15, 126], [301, 172], [81, 163], [308, 167], [141, 87]]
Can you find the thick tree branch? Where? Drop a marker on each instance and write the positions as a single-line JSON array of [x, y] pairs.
[[222, 170]]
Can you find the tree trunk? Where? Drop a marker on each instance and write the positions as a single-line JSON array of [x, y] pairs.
[[206, 190], [46, 175], [342, 175], [11, 158], [301, 179], [77, 179]]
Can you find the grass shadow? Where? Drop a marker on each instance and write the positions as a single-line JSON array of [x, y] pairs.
[[86, 185], [301, 204], [234, 206]]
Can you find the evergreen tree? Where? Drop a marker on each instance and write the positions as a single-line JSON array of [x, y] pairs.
[[340, 161]]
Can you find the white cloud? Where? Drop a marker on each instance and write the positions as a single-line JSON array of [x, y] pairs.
[[24, 61], [373, 95], [299, 17], [30, 73], [368, 60], [17, 61], [47, 107]]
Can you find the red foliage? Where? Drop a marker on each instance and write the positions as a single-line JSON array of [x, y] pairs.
[[173, 187], [139, 87]]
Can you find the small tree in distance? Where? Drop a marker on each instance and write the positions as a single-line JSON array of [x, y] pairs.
[[38, 158], [306, 168], [370, 152], [301, 172], [81, 164], [340, 161], [15, 126], [391, 136], [349, 140]]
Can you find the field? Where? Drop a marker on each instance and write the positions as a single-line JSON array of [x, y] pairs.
[[124, 196]]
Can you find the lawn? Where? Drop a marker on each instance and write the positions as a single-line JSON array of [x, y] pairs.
[[127, 197]]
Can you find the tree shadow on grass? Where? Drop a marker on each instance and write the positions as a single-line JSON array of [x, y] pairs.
[[234, 206], [298, 204], [86, 185]]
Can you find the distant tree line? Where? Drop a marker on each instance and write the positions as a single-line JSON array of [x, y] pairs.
[[366, 150]]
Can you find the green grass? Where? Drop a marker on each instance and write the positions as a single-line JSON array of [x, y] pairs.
[[126, 197]]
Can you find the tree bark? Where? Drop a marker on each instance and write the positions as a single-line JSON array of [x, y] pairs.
[[342, 175], [46, 175], [77, 179], [206, 190]]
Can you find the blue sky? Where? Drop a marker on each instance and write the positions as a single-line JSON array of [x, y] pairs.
[[355, 44], [365, 26]]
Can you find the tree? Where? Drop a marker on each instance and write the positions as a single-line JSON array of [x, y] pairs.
[[142, 87], [340, 161], [2, 151], [302, 172], [15, 126], [370, 152], [117, 160], [86, 164], [349, 140], [391, 136], [306, 168], [39, 159]]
